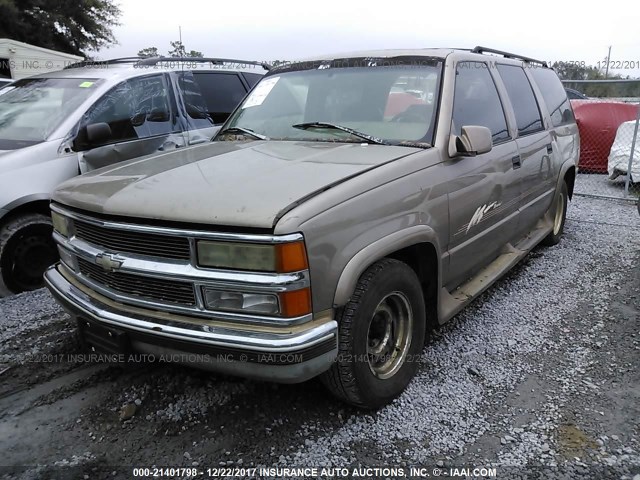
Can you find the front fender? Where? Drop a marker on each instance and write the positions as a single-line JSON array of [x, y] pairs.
[[18, 202], [377, 250]]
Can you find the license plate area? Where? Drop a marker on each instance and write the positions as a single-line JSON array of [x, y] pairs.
[[100, 339]]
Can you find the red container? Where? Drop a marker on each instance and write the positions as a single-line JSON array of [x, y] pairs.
[[598, 122]]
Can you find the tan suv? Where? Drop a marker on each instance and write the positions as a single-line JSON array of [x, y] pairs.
[[348, 206]]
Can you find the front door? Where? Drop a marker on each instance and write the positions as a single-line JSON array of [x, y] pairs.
[[484, 190], [141, 114]]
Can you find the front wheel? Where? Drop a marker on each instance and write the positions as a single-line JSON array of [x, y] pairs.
[[381, 335], [26, 250], [559, 217]]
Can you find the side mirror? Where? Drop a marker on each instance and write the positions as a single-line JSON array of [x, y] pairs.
[[474, 140], [98, 133]]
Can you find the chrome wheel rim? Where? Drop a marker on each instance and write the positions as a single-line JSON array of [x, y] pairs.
[[557, 224], [389, 335]]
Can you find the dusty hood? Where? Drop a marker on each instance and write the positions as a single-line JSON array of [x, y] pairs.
[[223, 183]]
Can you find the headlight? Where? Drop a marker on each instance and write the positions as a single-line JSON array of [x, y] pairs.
[[60, 224], [282, 258]]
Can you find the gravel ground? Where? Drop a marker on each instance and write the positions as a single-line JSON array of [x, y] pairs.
[[538, 378]]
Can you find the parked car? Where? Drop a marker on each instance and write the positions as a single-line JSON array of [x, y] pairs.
[[573, 94], [323, 232], [620, 152], [598, 120], [4, 82], [57, 125]]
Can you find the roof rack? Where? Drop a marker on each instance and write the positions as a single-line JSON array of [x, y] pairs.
[[509, 55], [215, 61], [84, 63]]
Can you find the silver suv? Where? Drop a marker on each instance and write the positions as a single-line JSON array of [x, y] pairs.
[[347, 207], [59, 124]]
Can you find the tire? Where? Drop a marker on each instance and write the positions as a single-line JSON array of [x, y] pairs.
[[559, 217], [26, 250], [363, 374]]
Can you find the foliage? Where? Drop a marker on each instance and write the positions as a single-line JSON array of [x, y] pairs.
[[177, 50], [575, 71], [71, 26], [148, 52]]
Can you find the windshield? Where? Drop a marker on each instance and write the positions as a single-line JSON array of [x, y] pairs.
[[32, 108], [391, 104]]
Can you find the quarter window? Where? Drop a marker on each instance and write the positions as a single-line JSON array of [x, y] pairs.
[[476, 101], [252, 78], [523, 100], [554, 95]]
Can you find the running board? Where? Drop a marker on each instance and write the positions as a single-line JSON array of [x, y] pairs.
[[452, 302]]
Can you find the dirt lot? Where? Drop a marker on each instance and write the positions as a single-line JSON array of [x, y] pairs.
[[540, 378]]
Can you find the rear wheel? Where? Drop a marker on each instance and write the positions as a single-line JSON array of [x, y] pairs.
[[559, 217], [381, 335], [26, 250]]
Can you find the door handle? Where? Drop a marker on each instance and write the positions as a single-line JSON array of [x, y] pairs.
[[549, 149], [517, 162]]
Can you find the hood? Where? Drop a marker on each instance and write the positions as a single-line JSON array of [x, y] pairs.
[[223, 183]]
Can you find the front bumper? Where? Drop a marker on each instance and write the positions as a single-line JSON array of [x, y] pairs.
[[291, 356]]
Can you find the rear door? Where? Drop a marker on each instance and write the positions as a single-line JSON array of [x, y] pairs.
[[535, 147], [483, 196], [564, 131]]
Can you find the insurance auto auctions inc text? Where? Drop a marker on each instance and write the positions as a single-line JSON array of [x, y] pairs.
[[377, 472]]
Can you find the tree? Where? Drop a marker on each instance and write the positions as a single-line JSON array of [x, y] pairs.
[[71, 26], [148, 52], [574, 71], [179, 50]]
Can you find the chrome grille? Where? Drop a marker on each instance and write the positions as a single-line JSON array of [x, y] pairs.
[[152, 244], [160, 290]]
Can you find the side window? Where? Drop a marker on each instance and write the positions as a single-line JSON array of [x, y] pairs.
[[476, 101], [522, 98], [136, 108], [196, 108], [222, 93], [554, 95], [252, 78]]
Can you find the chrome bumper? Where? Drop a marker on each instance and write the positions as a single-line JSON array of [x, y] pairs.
[[282, 357]]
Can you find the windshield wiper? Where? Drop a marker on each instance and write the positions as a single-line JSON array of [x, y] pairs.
[[355, 133], [246, 131]]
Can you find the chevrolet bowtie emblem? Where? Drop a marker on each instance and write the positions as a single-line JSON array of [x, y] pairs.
[[108, 262]]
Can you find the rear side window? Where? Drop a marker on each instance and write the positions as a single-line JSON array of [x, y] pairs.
[[222, 93], [554, 95], [476, 101], [522, 98], [252, 78]]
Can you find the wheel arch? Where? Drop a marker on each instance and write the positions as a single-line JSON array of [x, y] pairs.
[[416, 246], [570, 179], [34, 203]]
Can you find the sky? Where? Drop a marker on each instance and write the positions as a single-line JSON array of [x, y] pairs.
[[288, 29]]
